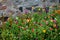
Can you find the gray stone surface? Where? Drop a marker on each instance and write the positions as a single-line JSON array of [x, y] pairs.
[[14, 4]]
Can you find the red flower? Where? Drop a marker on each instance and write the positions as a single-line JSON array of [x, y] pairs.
[[51, 29], [19, 26], [54, 21], [41, 25], [32, 29], [24, 28], [16, 22]]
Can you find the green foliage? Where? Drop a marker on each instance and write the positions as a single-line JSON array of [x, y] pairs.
[[32, 27]]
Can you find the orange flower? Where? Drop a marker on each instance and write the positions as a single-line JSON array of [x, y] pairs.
[[57, 11], [28, 20], [54, 25]]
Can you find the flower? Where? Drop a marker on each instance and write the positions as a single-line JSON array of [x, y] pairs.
[[47, 22], [19, 26], [57, 11], [28, 20], [54, 25], [54, 21], [41, 25], [44, 31], [48, 16], [32, 29], [51, 20], [51, 28]]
